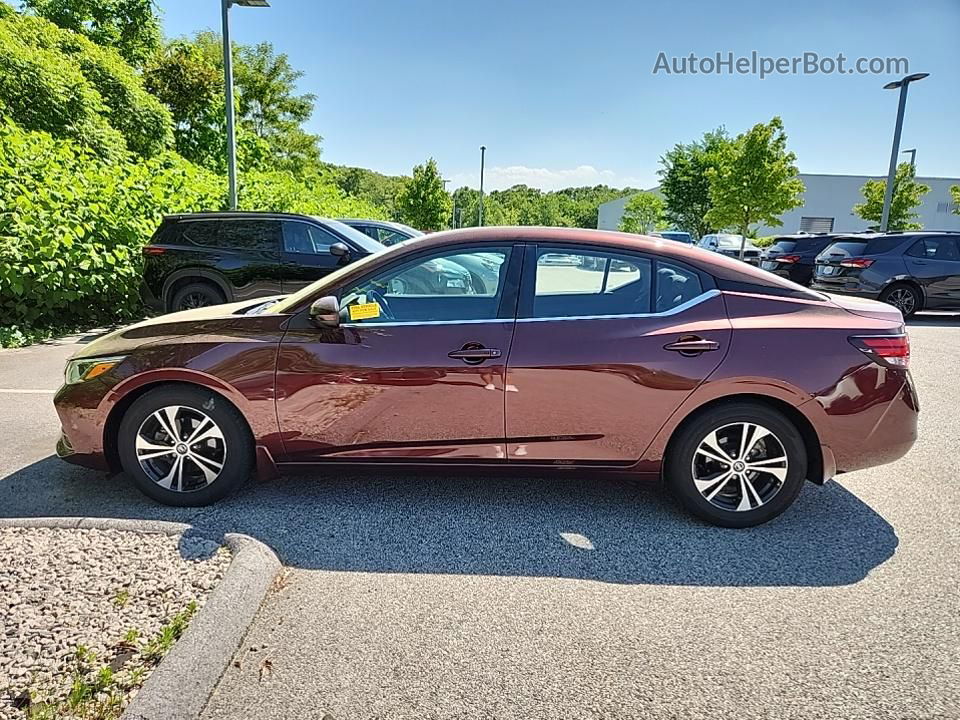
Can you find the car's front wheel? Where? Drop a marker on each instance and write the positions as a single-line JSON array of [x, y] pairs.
[[737, 465], [185, 446]]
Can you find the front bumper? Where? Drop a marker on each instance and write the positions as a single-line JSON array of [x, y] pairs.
[[81, 424]]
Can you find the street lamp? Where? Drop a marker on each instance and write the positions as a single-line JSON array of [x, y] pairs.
[[228, 87], [483, 151], [913, 156], [895, 151]]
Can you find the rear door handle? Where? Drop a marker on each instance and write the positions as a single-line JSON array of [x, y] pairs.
[[473, 354], [692, 346]]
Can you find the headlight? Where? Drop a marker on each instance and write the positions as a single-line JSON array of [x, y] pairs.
[[89, 368]]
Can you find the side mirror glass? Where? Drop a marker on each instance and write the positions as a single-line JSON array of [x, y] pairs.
[[325, 312], [340, 250]]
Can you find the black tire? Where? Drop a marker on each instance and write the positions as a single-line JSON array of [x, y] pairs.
[[196, 294], [679, 465], [903, 296], [237, 442]]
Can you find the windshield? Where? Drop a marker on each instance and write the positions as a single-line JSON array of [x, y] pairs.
[[353, 235], [784, 245], [412, 232], [731, 241], [679, 236]]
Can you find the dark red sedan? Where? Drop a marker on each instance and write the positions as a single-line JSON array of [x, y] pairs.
[[577, 349]]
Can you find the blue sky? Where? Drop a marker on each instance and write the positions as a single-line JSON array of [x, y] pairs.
[[562, 91]]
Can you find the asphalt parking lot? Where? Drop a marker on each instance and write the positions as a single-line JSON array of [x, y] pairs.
[[431, 597]]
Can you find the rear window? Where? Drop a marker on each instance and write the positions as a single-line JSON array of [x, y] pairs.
[[784, 245], [850, 247]]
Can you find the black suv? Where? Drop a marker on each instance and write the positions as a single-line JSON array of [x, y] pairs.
[[383, 231], [209, 258], [793, 256], [910, 270]]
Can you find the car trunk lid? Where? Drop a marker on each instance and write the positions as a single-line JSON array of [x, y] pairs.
[[868, 308]]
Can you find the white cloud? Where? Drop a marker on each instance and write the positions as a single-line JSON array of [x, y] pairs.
[[500, 178]]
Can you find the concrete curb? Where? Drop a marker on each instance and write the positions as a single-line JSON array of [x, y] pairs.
[[180, 686]]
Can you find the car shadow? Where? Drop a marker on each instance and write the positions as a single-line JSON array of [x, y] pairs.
[[569, 526]]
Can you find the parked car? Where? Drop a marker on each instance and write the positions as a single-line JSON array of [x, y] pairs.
[[200, 259], [729, 245], [675, 235], [911, 270], [484, 270], [729, 383], [206, 259], [383, 231], [794, 256]]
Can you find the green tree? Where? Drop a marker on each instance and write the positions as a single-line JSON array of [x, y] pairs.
[[422, 202], [684, 182], [754, 180], [188, 77], [132, 27], [57, 81], [907, 195], [955, 193], [642, 214]]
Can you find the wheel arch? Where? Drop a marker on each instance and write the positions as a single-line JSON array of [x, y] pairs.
[[111, 426], [817, 464], [910, 281]]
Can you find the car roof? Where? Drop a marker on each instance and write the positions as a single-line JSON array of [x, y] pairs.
[[238, 214], [709, 262]]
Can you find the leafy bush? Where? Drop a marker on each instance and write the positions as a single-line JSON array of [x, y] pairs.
[[72, 225], [280, 191], [59, 81]]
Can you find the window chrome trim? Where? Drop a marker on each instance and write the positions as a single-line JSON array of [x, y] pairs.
[[692, 302]]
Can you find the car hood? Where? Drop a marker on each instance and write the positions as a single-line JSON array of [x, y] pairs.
[[172, 325]]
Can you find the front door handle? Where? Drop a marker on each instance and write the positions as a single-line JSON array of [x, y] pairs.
[[692, 346], [473, 353]]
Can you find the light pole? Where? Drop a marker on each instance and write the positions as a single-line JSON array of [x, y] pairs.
[[895, 151], [913, 156], [483, 151], [228, 87]]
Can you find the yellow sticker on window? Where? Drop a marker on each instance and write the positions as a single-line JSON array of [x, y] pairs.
[[364, 311]]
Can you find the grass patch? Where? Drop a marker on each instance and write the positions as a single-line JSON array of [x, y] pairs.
[[99, 687]]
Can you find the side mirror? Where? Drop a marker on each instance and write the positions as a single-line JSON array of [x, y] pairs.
[[325, 312], [341, 251]]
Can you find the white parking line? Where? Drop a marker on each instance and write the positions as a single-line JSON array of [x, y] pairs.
[[19, 391]]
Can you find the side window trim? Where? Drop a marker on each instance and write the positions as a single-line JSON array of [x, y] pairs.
[[528, 282], [314, 227], [506, 308]]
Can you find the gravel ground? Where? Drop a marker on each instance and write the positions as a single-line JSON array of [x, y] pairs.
[[65, 588]]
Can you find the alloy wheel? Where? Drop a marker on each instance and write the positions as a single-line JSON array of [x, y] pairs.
[[903, 300], [181, 448], [740, 466], [195, 300]]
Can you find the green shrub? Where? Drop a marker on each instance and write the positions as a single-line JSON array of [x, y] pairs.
[[59, 81], [72, 225], [281, 191]]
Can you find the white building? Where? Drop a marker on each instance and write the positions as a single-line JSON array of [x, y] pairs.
[[828, 206]]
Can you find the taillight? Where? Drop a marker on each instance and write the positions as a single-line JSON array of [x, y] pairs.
[[887, 349], [856, 263], [787, 259], [153, 250]]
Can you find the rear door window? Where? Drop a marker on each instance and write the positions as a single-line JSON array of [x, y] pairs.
[[584, 284], [239, 234], [675, 286]]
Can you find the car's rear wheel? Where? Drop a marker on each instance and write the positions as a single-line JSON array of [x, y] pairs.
[[196, 295], [737, 465], [185, 446], [903, 297]]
